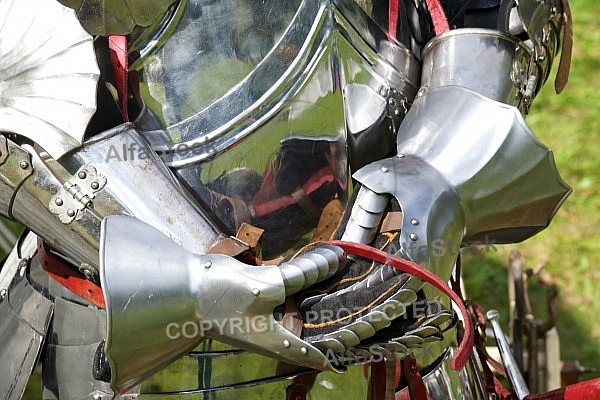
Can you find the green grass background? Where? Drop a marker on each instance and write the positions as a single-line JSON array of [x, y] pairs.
[[569, 124], [570, 247]]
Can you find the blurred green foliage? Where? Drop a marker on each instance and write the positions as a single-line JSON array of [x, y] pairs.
[[569, 248]]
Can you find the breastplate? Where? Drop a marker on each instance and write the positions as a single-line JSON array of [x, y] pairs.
[[278, 145]]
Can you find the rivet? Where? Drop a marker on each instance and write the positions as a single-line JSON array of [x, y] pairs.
[[95, 185], [414, 221], [384, 169], [413, 236], [303, 350], [286, 344], [58, 201], [24, 164], [3, 294], [81, 174], [392, 102], [256, 291], [71, 213], [207, 264]]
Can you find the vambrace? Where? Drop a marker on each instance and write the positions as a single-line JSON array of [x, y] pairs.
[[64, 202]]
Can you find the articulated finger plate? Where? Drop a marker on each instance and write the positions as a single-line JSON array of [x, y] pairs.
[[312, 267], [400, 323]]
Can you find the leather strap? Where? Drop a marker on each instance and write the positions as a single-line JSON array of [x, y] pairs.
[[66, 275], [377, 381], [300, 385], [438, 16], [117, 46], [247, 238], [564, 66], [292, 320], [392, 222], [416, 387], [329, 220], [393, 17]]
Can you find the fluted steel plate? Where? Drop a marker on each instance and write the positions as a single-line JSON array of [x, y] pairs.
[[48, 74]]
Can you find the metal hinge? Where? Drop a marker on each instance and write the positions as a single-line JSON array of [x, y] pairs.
[[76, 193]]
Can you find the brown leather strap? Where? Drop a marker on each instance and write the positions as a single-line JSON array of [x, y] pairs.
[[250, 235], [377, 381], [300, 386], [292, 320], [229, 247], [68, 276], [301, 198], [416, 387], [329, 220], [383, 379], [392, 222], [247, 238], [564, 66]]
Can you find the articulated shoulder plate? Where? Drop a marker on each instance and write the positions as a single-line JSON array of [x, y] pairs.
[[24, 317], [48, 74]]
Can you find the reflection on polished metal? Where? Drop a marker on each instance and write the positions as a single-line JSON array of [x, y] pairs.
[[522, 190], [512, 369], [139, 184], [244, 370], [445, 383], [535, 14], [170, 288], [228, 119], [318, 33], [24, 318], [48, 74], [117, 17], [545, 21], [331, 63]]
